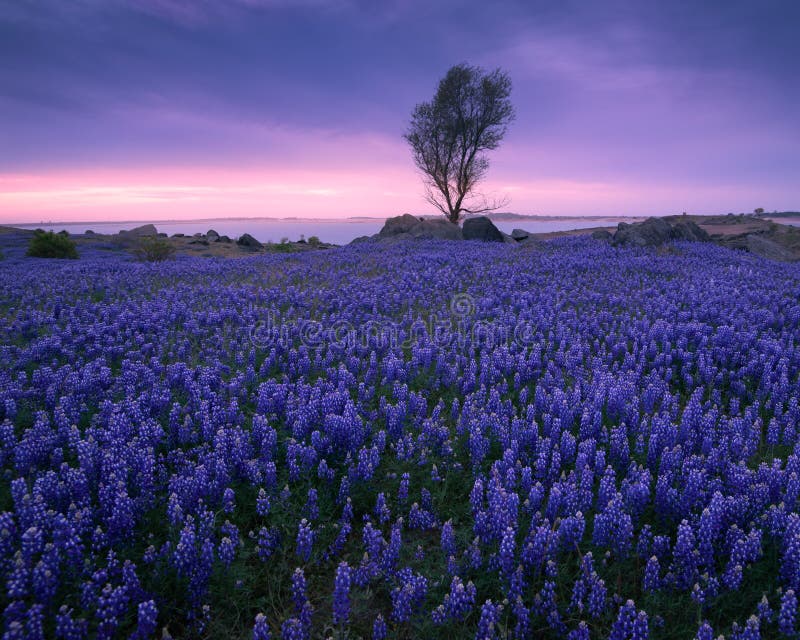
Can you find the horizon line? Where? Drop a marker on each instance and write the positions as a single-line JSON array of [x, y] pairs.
[[357, 218]]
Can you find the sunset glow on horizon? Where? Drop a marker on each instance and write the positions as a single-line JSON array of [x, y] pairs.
[[169, 109]]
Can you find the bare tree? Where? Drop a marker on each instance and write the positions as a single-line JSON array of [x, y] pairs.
[[448, 136]]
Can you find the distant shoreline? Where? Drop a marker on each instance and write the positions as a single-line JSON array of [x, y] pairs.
[[266, 219], [504, 216]]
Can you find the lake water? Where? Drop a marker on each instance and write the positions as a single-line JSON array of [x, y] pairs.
[[332, 231]]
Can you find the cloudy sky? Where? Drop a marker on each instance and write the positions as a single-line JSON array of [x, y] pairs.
[[155, 109]]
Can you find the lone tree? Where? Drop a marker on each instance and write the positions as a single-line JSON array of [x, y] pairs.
[[468, 116]]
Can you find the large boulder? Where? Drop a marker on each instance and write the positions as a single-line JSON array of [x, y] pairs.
[[408, 227], [481, 228], [769, 249], [520, 234], [654, 232], [688, 230], [138, 232], [212, 236], [398, 224], [437, 229], [602, 234], [249, 242], [362, 239], [650, 233]]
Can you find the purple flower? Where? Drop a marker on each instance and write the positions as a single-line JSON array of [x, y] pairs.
[[379, 630], [305, 540], [147, 620], [487, 624], [261, 628], [341, 595], [787, 615]]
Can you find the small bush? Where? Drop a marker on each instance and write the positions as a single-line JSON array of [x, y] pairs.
[[154, 249], [46, 244], [314, 241]]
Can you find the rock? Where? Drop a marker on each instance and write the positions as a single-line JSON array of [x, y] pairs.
[[225, 239], [689, 231], [162, 235], [212, 236], [138, 232], [249, 242], [650, 233], [437, 229], [178, 235], [509, 240], [530, 241], [481, 228], [766, 248], [398, 224], [654, 232], [408, 227], [519, 234], [88, 232], [602, 234], [362, 239]]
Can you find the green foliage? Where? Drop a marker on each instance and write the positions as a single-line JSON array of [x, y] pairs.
[[46, 244], [314, 241], [154, 249], [281, 247]]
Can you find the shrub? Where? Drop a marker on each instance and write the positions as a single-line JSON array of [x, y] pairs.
[[154, 249], [314, 241], [46, 244]]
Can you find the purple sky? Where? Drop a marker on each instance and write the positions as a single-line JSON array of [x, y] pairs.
[[114, 109]]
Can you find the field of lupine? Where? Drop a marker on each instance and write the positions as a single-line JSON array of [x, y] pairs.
[[413, 442]]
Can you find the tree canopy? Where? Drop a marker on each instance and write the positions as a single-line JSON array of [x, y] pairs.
[[449, 135]]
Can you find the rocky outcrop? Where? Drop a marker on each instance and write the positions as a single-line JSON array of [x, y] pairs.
[[436, 230], [655, 232], [408, 227], [361, 239], [398, 225], [602, 234], [483, 229], [249, 242], [650, 233], [766, 248], [689, 231], [138, 232]]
